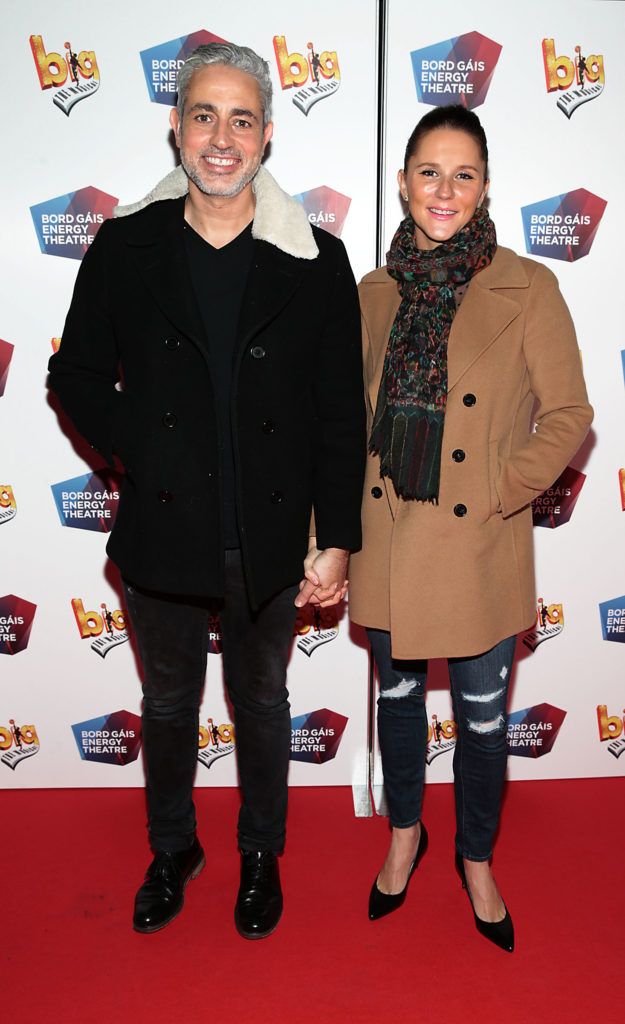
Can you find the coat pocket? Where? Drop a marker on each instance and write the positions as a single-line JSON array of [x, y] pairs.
[[494, 470]]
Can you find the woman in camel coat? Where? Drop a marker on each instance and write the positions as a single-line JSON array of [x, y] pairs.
[[447, 570]]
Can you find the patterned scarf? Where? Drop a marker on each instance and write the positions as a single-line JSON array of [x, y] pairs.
[[410, 413]]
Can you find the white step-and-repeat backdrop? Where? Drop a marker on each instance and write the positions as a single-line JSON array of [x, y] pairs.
[[88, 99]]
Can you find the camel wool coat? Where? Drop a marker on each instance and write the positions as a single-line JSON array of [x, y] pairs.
[[453, 579]]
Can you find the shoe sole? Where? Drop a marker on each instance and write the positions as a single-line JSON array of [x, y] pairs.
[[150, 929], [256, 935]]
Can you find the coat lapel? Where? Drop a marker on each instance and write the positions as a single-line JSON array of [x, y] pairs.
[[161, 261], [485, 312], [273, 278], [480, 320]]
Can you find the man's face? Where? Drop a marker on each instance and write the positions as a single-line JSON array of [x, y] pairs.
[[221, 136]]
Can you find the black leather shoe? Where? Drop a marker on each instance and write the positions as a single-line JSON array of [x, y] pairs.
[[161, 897], [259, 901], [383, 903], [499, 932]]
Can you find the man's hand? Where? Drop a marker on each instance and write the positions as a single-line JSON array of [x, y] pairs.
[[325, 576]]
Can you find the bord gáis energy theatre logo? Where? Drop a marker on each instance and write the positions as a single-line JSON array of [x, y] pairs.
[[88, 502], [533, 731], [316, 736], [563, 227], [6, 354], [16, 622], [162, 62], [555, 506], [314, 76], [67, 225], [613, 619], [73, 76], [109, 739], [576, 80], [325, 208], [457, 70]]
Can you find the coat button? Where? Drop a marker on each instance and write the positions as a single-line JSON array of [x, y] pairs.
[[458, 455], [277, 497], [169, 420], [460, 510], [469, 399], [268, 427], [172, 344], [376, 492], [165, 496], [258, 352]]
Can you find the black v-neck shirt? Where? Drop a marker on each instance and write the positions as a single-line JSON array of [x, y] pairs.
[[219, 277]]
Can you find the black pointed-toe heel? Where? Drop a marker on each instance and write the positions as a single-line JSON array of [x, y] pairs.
[[501, 933], [383, 903]]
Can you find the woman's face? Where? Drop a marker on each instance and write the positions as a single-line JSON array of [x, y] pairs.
[[443, 184]]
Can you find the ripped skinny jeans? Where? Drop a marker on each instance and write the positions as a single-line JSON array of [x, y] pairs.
[[479, 691]]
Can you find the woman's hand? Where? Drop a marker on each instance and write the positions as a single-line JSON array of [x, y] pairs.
[[325, 576]]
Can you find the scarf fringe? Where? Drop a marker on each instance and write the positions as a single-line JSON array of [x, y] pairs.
[[409, 445]]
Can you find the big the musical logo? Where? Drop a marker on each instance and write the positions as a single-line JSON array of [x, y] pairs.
[[73, 76]]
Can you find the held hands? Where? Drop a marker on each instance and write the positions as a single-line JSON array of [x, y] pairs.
[[325, 576]]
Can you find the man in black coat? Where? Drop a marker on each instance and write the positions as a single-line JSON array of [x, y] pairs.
[[234, 327]]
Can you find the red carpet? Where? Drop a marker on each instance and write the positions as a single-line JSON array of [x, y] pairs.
[[71, 861]]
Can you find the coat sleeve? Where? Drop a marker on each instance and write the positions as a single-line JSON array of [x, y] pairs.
[[340, 411], [84, 372], [562, 414]]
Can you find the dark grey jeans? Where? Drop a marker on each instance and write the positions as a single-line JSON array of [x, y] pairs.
[[172, 636], [479, 690]]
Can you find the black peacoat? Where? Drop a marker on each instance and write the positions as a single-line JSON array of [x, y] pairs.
[[297, 405]]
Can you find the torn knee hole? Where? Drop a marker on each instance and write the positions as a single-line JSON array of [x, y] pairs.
[[403, 689], [486, 728]]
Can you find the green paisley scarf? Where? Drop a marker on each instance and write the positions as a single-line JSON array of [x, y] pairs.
[[410, 413]]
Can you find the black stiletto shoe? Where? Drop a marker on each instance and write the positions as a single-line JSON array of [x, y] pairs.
[[499, 932], [383, 903]]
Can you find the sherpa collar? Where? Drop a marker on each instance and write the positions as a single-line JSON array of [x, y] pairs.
[[278, 219]]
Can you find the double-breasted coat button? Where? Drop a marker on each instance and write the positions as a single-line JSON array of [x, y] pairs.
[[165, 496], [277, 497], [169, 420], [268, 427], [376, 492], [460, 510], [458, 455], [172, 344], [469, 399], [258, 352]]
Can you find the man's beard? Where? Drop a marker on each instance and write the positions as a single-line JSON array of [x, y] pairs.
[[225, 189]]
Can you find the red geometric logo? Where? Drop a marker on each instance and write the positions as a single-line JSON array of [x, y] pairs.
[[325, 208], [563, 227], [555, 506], [6, 354], [532, 732], [16, 623], [316, 736], [67, 225], [457, 70]]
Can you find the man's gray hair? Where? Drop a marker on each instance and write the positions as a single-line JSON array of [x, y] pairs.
[[232, 56]]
